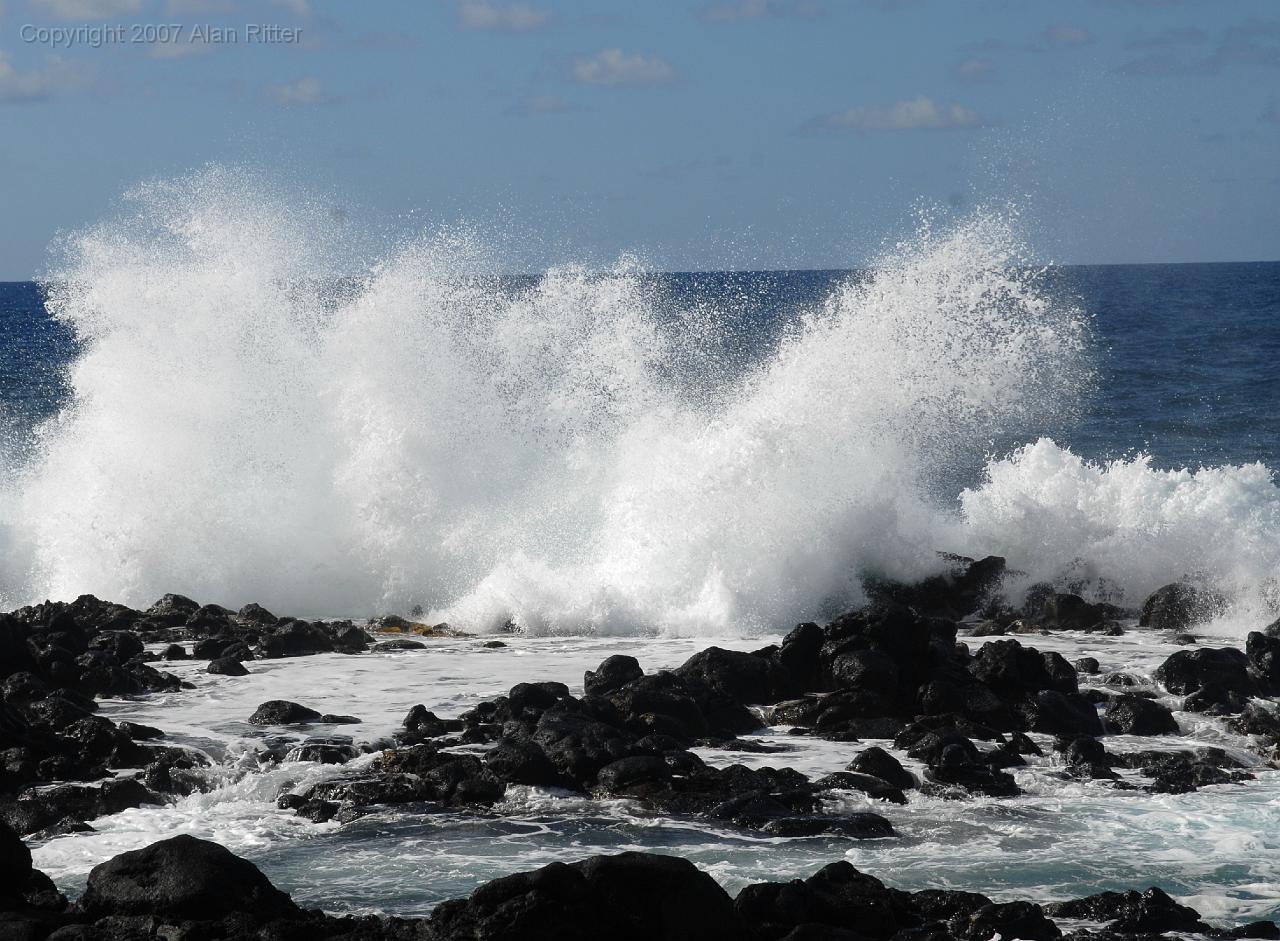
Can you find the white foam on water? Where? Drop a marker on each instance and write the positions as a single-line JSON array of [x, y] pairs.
[[1215, 849], [245, 425]]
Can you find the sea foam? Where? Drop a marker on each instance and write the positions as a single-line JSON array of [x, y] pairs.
[[257, 415]]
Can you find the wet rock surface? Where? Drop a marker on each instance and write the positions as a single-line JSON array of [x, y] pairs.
[[894, 670], [185, 887]]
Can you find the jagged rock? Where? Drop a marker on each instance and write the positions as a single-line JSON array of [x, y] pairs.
[[959, 591], [877, 762], [619, 775], [861, 826], [227, 666], [421, 724], [1068, 612], [1187, 671], [325, 753], [1056, 713], [1023, 920], [1133, 715], [256, 614], [518, 761], [283, 712], [37, 810], [1151, 911], [873, 787], [1215, 699], [613, 673], [837, 895], [1264, 661], [1268, 930], [1176, 607], [1256, 719], [1086, 757], [1181, 772]]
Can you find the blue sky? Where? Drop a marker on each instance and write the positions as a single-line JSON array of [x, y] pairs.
[[731, 133]]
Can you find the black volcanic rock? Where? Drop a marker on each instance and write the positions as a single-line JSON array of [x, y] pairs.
[[879, 763], [960, 590], [613, 672], [520, 761], [628, 897], [837, 896], [1023, 920], [183, 878], [869, 784], [1134, 715], [283, 712], [740, 677], [1068, 612], [1152, 911], [227, 666], [1225, 668], [1177, 606], [1264, 661]]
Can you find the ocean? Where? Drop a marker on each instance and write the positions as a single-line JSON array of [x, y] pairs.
[[203, 400]]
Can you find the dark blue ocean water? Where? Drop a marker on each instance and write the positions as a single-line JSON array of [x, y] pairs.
[[1187, 356]]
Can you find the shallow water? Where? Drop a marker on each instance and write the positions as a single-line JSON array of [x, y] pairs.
[[1217, 849]]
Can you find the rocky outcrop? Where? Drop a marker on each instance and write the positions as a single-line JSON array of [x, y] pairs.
[[1149, 912], [183, 879], [1177, 607], [189, 888]]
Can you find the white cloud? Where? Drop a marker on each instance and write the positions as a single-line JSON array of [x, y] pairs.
[[974, 70], [742, 10], [615, 67], [56, 75], [519, 17], [913, 114], [307, 90], [1064, 35], [541, 104], [87, 9]]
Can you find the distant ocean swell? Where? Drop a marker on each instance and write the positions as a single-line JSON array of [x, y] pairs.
[[573, 454]]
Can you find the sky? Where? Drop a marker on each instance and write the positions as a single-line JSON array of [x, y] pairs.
[[690, 135]]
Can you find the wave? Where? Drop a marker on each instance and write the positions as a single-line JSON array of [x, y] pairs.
[[568, 452]]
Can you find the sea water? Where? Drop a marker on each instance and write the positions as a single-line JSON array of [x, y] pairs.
[[209, 393]]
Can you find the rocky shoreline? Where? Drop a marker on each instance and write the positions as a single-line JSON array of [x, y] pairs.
[[186, 888], [944, 669]]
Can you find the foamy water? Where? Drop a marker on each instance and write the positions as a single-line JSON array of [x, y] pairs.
[[1215, 849], [241, 429]]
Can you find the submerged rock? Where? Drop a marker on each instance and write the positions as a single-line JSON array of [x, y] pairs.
[[284, 712]]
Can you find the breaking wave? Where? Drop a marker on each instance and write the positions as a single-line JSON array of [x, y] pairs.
[[572, 452]]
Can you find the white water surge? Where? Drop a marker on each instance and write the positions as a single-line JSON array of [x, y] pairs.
[[246, 426], [1215, 849]]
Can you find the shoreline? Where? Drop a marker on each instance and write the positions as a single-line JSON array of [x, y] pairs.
[[687, 744]]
